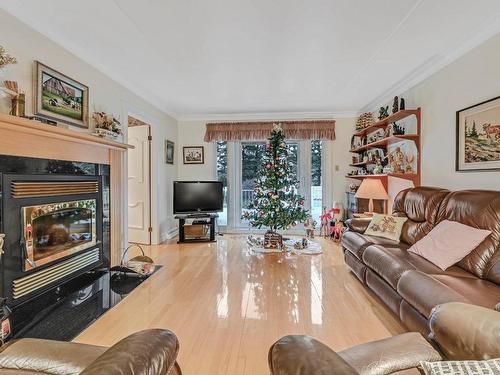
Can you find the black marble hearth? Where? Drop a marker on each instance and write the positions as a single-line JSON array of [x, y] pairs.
[[64, 312]]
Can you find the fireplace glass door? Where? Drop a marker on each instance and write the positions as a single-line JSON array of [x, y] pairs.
[[53, 231]]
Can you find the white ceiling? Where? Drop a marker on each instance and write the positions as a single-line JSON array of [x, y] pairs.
[[262, 56]]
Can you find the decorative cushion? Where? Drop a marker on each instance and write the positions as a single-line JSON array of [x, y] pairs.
[[490, 367], [448, 243], [386, 226]]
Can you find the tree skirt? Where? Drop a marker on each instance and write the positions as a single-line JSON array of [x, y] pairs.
[[312, 248]]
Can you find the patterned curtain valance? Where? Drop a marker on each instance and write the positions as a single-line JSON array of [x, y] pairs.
[[240, 131]]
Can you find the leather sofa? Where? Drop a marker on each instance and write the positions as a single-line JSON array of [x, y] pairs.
[[151, 352], [409, 284], [458, 332]]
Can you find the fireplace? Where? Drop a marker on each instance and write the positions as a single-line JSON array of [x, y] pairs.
[[54, 231], [53, 225]]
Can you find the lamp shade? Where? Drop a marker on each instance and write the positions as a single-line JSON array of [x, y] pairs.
[[371, 188]]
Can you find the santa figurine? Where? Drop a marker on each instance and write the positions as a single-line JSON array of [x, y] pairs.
[[309, 226]]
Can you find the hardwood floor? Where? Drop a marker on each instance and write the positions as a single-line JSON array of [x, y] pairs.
[[228, 305]]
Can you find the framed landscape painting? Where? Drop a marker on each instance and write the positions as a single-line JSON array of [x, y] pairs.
[[478, 137], [193, 155], [59, 97]]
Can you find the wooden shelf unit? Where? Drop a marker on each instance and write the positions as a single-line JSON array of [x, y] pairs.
[[387, 178], [384, 142], [406, 176], [381, 124], [362, 164]]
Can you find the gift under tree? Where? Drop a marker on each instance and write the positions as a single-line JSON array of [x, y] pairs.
[[275, 203]]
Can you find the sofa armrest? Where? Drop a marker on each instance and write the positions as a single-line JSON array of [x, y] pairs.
[[358, 224], [48, 357], [464, 331], [151, 351], [389, 355], [303, 355]]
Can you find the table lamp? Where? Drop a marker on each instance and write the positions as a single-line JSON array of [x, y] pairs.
[[371, 188]]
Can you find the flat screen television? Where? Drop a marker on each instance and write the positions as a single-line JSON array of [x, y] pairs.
[[197, 197]]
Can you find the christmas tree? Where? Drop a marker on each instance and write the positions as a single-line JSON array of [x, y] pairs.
[[276, 203]]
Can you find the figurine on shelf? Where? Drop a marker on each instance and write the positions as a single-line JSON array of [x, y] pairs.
[[325, 218], [383, 112], [409, 162], [378, 165], [402, 104], [364, 121], [395, 105], [396, 161], [309, 226], [397, 129]]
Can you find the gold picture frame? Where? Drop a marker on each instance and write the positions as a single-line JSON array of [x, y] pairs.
[[60, 98]]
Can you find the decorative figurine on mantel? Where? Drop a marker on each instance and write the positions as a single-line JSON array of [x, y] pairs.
[[395, 105], [383, 112], [106, 126]]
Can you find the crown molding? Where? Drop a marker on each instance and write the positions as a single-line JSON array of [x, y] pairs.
[[435, 64], [268, 116]]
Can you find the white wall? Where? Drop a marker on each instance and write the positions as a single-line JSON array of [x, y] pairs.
[[105, 94], [339, 157], [191, 133], [469, 80]]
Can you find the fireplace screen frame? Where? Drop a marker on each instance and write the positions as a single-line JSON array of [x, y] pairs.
[[30, 213]]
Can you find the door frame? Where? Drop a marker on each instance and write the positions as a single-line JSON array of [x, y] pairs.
[[149, 179]]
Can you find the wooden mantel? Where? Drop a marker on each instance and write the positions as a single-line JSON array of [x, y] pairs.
[[23, 137]]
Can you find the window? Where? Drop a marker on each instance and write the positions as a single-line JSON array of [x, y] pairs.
[[237, 166], [222, 177], [316, 179]]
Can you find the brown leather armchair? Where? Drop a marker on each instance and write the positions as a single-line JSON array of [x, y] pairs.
[[458, 332], [149, 352]]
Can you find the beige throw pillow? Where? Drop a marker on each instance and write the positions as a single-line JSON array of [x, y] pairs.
[[386, 226]]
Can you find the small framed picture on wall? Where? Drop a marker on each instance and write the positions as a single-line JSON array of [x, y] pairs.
[[193, 155], [478, 137], [169, 151]]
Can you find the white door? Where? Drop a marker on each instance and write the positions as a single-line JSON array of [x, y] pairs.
[[139, 190]]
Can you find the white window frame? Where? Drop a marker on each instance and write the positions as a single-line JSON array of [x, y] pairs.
[[234, 167]]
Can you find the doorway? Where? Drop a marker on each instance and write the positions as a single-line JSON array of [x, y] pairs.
[[139, 182]]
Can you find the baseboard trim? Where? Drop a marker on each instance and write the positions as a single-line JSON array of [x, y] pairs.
[[165, 236]]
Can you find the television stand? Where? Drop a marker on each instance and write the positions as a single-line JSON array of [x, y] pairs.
[[201, 219]]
